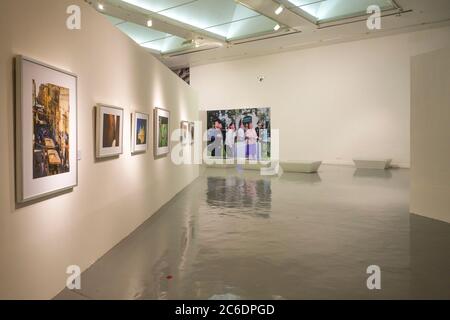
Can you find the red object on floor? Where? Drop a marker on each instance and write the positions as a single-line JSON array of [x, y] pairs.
[[169, 277]]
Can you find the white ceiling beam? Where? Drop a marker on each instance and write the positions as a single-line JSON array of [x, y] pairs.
[[286, 18], [127, 12]]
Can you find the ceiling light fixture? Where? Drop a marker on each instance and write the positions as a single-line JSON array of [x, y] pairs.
[[101, 6], [279, 10], [149, 23], [277, 27]]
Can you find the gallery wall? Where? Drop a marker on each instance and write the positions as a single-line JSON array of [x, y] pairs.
[[114, 196], [430, 134], [330, 103]]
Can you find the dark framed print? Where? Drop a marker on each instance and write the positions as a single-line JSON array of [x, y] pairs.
[[184, 132], [109, 131], [192, 131]]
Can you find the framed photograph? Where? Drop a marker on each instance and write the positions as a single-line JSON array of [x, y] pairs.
[[109, 131], [46, 130], [184, 126], [239, 134], [139, 132], [162, 132], [192, 131]]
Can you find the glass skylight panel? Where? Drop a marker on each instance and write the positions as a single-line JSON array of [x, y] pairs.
[[327, 10], [244, 28], [141, 34], [158, 5], [150, 38], [169, 44], [114, 20], [225, 18]]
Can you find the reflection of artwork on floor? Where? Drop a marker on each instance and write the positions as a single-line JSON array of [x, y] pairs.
[[111, 130], [251, 196], [51, 122], [239, 133], [161, 132], [46, 128], [139, 132]]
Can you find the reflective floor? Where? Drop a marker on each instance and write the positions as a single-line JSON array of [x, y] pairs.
[[238, 235]]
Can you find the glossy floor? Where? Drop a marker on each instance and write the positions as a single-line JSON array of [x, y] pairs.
[[238, 235]]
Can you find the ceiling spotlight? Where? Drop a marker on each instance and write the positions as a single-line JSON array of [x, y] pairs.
[[101, 6], [149, 23], [277, 27], [279, 10]]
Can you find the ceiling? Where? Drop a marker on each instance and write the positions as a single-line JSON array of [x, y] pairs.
[[192, 32]]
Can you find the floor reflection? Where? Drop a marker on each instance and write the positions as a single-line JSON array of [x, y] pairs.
[[234, 235], [302, 178], [373, 173], [246, 195]]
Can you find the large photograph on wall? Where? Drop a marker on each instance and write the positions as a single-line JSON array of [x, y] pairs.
[[46, 129], [239, 134], [162, 132]]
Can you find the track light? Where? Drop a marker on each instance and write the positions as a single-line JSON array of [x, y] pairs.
[[101, 6], [149, 23], [279, 10], [277, 27]]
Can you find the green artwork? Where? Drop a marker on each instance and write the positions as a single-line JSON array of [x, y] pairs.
[[163, 132]]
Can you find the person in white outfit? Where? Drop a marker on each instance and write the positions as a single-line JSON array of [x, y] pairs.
[[252, 139], [230, 141], [241, 143]]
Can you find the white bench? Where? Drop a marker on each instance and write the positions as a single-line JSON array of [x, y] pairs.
[[273, 170], [380, 164], [302, 166]]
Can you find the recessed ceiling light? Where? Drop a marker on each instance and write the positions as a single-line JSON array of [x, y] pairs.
[[277, 27], [279, 10], [149, 23]]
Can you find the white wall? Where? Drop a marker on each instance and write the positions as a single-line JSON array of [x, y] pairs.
[[39, 241], [330, 103], [430, 135]]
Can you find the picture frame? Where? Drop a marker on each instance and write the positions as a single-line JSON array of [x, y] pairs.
[[161, 132], [109, 131], [46, 130], [140, 123], [192, 131], [243, 133], [184, 132]]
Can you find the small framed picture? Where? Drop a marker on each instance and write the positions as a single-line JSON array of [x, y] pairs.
[[109, 131], [139, 132], [192, 131], [184, 137], [162, 132]]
